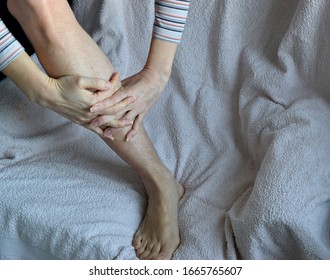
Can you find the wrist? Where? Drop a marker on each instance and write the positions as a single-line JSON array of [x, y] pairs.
[[45, 93], [159, 75], [161, 58]]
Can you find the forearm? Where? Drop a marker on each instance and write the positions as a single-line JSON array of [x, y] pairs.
[[62, 46], [170, 20], [28, 77], [161, 57], [18, 66]]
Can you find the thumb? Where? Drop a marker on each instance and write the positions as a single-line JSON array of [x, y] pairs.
[[115, 85], [93, 84]]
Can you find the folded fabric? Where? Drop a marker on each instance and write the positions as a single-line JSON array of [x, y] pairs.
[[243, 125]]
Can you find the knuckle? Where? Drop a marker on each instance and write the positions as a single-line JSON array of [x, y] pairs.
[[111, 118], [111, 125], [108, 130], [122, 124], [89, 115], [132, 99], [103, 119], [121, 105], [85, 120], [128, 101]]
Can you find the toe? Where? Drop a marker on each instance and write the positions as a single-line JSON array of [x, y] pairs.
[[146, 253], [137, 242], [141, 250], [164, 254], [154, 252]]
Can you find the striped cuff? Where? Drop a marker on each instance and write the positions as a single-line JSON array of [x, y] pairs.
[[170, 19], [10, 48]]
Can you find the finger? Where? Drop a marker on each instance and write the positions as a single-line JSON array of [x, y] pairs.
[[110, 121], [135, 129], [78, 118], [121, 123], [132, 115], [102, 120], [108, 134], [104, 94], [117, 109], [93, 85], [97, 130], [119, 96], [123, 107], [115, 81]]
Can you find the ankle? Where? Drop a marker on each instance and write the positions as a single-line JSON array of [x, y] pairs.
[[155, 173]]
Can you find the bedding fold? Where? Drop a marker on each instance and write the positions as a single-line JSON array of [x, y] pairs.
[[244, 125]]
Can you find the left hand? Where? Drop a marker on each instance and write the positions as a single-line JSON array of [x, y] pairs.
[[72, 97], [145, 87]]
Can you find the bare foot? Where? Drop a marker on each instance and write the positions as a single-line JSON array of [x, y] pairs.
[[158, 235]]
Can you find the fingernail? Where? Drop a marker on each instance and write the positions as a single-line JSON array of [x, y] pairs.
[[95, 123], [94, 109], [109, 136]]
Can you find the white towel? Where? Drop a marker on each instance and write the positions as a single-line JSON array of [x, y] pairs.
[[244, 125]]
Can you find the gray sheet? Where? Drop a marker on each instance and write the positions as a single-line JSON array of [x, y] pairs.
[[244, 125]]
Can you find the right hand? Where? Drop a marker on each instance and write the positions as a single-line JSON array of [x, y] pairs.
[[145, 87]]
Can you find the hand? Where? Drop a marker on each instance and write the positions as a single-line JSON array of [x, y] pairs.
[[69, 96], [72, 97], [144, 87]]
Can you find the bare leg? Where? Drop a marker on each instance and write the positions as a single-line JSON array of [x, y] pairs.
[[64, 48]]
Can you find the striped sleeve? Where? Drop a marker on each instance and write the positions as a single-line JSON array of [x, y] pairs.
[[10, 48], [170, 19]]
